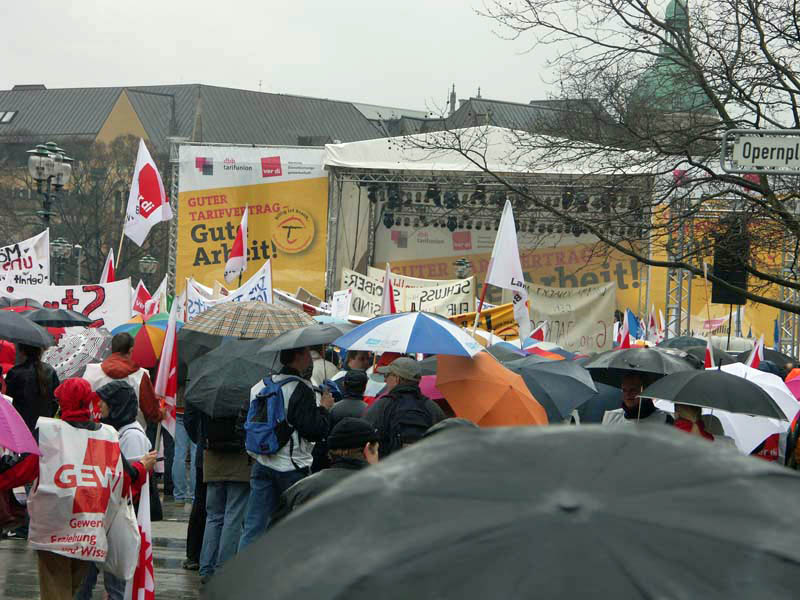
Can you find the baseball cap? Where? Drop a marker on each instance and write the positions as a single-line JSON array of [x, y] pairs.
[[403, 367]]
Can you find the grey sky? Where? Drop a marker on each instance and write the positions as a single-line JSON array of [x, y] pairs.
[[402, 53]]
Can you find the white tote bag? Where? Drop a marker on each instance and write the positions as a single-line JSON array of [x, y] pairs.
[[124, 540]]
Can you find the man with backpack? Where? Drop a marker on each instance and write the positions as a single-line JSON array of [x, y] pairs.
[[404, 414], [283, 422]]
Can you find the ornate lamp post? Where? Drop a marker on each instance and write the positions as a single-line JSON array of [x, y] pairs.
[[51, 169], [148, 265]]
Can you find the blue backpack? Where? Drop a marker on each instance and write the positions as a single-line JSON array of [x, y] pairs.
[[266, 427]]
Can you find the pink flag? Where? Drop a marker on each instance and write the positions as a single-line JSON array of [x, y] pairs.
[[147, 202], [237, 259], [143, 584], [167, 378], [387, 300], [140, 298], [757, 355], [107, 276], [709, 358]]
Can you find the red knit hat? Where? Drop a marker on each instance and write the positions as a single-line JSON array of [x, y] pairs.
[[75, 398]]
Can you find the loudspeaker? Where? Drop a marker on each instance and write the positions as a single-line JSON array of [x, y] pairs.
[[731, 251]]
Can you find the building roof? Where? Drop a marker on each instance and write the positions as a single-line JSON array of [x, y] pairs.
[[202, 112]]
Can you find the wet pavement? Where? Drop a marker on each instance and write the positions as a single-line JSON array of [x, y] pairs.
[[19, 579]]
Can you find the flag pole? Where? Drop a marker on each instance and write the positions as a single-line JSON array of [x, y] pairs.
[[480, 307], [119, 250], [708, 299]]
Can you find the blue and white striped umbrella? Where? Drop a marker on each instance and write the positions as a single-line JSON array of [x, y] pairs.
[[410, 333]]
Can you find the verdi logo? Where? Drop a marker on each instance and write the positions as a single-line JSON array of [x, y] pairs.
[[293, 230], [271, 166]]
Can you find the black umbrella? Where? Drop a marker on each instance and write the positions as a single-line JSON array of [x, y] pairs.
[[318, 334], [609, 367], [16, 328], [537, 512], [193, 345], [504, 353], [607, 398], [6, 302], [560, 386], [682, 342], [219, 381], [720, 356], [57, 317], [715, 389]]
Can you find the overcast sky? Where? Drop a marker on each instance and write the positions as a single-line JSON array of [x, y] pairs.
[[399, 53]]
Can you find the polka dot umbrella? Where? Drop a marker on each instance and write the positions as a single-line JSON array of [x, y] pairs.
[[148, 335]]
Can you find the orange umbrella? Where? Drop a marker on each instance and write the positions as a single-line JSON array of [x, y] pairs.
[[792, 374], [484, 391]]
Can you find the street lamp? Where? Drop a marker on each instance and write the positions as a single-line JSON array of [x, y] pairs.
[[148, 265], [62, 250], [48, 164]]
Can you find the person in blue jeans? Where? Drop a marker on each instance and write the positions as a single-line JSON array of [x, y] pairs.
[[273, 474], [182, 486]]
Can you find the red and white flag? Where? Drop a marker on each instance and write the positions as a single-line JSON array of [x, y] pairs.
[[107, 276], [143, 584], [757, 355], [709, 358], [167, 377], [158, 301], [237, 259], [140, 298], [625, 333], [663, 327], [505, 270], [387, 300], [540, 332], [147, 202]]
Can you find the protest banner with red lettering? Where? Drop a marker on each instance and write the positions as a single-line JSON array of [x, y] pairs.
[[27, 262], [107, 304]]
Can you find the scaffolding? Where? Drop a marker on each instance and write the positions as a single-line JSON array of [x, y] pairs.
[[678, 302]]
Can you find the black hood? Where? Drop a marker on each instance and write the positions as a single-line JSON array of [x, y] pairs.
[[122, 403]]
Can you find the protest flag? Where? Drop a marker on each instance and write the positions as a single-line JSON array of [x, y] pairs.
[[143, 584], [167, 377], [108, 276], [140, 299], [147, 201], [387, 299], [237, 259], [757, 355], [709, 358], [540, 333], [625, 333]]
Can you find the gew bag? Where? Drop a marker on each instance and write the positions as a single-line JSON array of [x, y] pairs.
[[124, 540], [266, 427]]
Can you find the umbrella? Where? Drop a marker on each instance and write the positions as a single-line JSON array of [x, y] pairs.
[[559, 386], [6, 302], [318, 334], [57, 317], [793, 385], [251, 319], [192, 345], [607, 398], [779, 358], [410, 332], [485, 392], [720, 356], [714, 389], [682, 342], [16, 328], [772, 384], [219, 381], [548, 350], [609, 367], [14, 433], [502, 352], [427, 385], [77, 349], [56, 332], [537, 512], [148, 335]]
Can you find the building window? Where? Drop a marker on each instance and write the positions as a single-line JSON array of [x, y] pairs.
[[6, 116]]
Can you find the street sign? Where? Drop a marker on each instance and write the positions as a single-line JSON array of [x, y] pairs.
[[761, 151]]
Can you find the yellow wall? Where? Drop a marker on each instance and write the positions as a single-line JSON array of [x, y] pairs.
[[122, 120]]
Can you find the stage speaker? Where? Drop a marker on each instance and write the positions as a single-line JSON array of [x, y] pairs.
[[731, 251]]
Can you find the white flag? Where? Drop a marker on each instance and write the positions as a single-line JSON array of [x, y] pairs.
[[143, 584], [167, 378], [387, 299], [237, 259], [147, 202], [505, 270]]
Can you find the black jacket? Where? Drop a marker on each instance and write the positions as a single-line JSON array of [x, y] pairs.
[[349, 406], [312, 486], [23, 386]]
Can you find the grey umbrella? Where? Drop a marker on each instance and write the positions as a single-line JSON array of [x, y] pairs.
[[652, 363], [57, 317], [318, 334], [6, 302], [16, 328]]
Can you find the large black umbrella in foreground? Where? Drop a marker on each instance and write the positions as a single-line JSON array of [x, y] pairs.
[[57, 317], [537, 512], [220, 380], [651, 363], [713, 388], [560, 386], [16, 328]]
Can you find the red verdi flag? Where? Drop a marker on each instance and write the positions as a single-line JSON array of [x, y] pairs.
[[237, 260], [147, 202]]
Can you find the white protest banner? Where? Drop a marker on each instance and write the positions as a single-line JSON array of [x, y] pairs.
[[107, 304], [580, 319], [286, 299], [405, 281], [27, 262], [367, 293], [448, 300], [258, 287], [340, 304]]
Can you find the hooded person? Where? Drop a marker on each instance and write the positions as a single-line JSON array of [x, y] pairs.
[[352, 445], [59, 491]]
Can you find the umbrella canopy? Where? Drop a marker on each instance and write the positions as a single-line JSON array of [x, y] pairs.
[[410, 332], [772, 384], [609, 367], [537, 512], [57, 317], [714, 389], [56, 332], [548, 350], [485, 392], [149, 335], [192, 345], [16, 328], [318, 334], [251, 319], [607, 398], [502, 352], [220, 380], [6, 302], [14, 433], [559, 386], [427, 385], [720, 356], [793, 385], [77, 349], [682, 342]]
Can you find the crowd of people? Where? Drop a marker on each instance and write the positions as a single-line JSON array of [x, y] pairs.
[[239, 478]]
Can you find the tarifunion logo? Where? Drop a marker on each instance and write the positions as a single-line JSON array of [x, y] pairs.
[[293, 230], [229, 164], [204, 164]]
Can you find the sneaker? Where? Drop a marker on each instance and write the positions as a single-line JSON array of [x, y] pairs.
[[190, 565]]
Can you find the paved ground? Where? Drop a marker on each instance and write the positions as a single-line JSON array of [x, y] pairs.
[[19, 580]]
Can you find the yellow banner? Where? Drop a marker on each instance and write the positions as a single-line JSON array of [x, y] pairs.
[[499, 320]]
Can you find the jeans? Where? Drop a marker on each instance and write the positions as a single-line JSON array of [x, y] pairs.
[[225, 505], [115, 586], [182, 489], [266, 487]]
